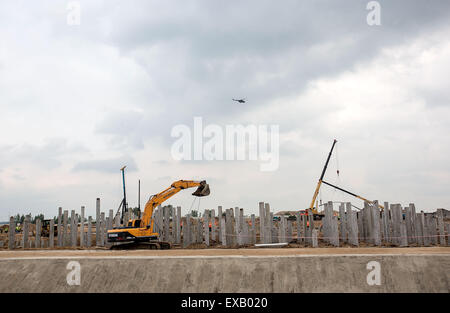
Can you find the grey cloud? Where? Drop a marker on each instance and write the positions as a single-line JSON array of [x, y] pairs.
[[107, 165], [45, 156]]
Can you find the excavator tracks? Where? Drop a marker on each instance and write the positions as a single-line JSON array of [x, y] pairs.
[[142, 245]]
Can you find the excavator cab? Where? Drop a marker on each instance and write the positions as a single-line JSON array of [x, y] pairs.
[[202, 190]]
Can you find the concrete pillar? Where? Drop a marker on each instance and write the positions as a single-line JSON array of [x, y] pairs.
[[166, 223], [253, 229], [187, 231], [223, 232], [89, 233], [268, 223], [178, 225], [229, 227], [440, 216], [298, 221], [117, 220], [342, 223], [375, 218], [219, 226], [289, 231], [261, 222], [403, 235], [241, 227], [51, 236], [360, 225], [82, 239], [111, 219], [97, 222], [38, 233], [213, 225], [65, 236], [26, 225], [102, 229], [73, 232], [60, 228], [419, 229], [352, 225], [426, 236], [11, 233], [315, 242], [206, 227], [433, 228], [281, 230]]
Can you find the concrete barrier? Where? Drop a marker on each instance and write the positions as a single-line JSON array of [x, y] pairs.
[[301, 273]]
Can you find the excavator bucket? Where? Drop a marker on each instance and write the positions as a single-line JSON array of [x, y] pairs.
[[202, 190]]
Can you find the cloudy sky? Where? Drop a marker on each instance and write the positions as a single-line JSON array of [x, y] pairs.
[[77, 102]]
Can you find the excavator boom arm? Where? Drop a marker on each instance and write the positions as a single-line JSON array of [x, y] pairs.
[[155, 200]]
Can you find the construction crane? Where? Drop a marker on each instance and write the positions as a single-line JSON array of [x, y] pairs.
[[140, 231], [314, 210]]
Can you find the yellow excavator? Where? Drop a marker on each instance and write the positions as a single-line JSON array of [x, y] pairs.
[[140, 232]]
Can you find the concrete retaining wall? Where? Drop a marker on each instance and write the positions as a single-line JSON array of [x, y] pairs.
[[336, 273]]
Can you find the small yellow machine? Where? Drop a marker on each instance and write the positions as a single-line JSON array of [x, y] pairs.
[[141, 231]]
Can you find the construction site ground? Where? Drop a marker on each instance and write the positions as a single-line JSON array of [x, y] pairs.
[[99, 253]]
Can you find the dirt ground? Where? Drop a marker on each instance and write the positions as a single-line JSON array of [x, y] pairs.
[[220, 252]]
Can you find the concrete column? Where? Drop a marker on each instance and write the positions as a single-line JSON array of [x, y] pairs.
[[261, 223], [38, 233], [387, 230], [282, 230], [223, 233], [241, 237], [375, 218], [117, 220], [97, 222], [342, 223], [11, 233], [360, 225], [73, 242], [298, 221], [82, 240], [186, 230], [26, 225], [426, 236], [206, 227], [419, 228], [440, 215], [408, 222], [60, 228], [213, 225], [111, 219], [352, 225], [315, 242], [403, 235], [253, 229], [229, 227], [51, 236], [414, 223], [219, 226], [289, 231], [268, 224], [178, 225], [65, 234], [102, 229], [433, 228], [305, 228], [89, 233]]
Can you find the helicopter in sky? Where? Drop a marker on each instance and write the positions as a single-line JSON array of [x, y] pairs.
[[239, 100]]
